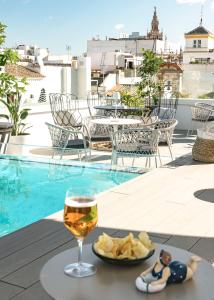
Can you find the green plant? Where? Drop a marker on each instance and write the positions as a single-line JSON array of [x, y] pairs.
[[131, 100], [150, 87], [16, 115], [11, 89], [207, 96]]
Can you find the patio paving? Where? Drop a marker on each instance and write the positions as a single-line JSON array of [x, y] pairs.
[[173, 203]]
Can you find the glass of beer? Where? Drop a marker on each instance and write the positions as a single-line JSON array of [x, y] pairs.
[[80, 218]]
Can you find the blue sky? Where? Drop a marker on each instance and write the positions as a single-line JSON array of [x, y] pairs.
[[54, 24]]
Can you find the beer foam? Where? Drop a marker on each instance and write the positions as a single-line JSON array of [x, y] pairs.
[[84, 201]]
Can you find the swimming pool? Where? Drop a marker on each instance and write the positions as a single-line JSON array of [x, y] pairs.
[[31, 190]]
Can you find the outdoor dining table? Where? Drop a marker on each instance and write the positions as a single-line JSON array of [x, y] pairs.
[[117, 109], [115, 122], [118, 282]]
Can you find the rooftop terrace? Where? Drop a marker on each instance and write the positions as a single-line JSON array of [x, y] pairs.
[[173, 203]]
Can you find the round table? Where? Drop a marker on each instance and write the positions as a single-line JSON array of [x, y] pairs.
[[118, 282], [115, 122], [111, 110]]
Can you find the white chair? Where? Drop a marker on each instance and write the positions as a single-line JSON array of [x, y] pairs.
[[166, 128], [65, 110], [135, 142], [66, 141], [146, 121], [200, 116], [5, 132], [164, 113], [96, 132], [208, 106]]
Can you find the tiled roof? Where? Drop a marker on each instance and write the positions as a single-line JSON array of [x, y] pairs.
[[21, 71], [170, 66], [199, 30]]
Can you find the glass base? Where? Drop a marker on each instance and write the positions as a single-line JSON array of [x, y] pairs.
[[80, 270]]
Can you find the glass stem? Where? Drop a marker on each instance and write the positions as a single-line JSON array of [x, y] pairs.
[[80, 243]]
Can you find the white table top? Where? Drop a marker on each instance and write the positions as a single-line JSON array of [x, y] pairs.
[[116, 121]]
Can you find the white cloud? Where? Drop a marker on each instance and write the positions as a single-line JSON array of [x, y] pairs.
[[212, 5], [190, 1], [119, 26]]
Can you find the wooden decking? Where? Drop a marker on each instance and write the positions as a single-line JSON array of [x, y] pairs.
[[23, 254]]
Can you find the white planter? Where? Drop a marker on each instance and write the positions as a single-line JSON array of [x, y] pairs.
[[18, 145]]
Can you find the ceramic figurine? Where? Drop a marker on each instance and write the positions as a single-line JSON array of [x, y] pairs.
[[166, 271]]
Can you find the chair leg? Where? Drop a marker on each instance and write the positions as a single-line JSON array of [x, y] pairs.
[[146, 162], [133, 161], [156, 163], [79, 156], [89, 154], [159, 157], [114, 158], [149, 162], [169, 144]]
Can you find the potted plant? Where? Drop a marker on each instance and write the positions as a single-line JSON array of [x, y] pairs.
[[11, 89], [150, 87], [132, 100]]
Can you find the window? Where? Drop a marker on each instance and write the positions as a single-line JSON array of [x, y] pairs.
[[196, 43]]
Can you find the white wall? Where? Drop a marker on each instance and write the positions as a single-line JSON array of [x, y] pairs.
[[103, 60], [190, 56], [189, 44], [198, 79], [110, 81], [96, 48], [84, 77], [128, 80], [61, 79], [52, 82], [211, 43]]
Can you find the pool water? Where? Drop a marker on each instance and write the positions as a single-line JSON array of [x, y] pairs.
[[32, 190]]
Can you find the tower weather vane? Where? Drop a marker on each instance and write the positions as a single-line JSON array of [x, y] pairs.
[[201, 20]]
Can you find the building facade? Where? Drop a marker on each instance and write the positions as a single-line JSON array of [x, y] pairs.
[[47, 73], [104, 53], [198, 63]]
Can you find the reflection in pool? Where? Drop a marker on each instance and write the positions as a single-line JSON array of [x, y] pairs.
[[32, 190]]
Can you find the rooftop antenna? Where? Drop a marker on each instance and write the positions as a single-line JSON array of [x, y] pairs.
[[68, 48], [201, 20]]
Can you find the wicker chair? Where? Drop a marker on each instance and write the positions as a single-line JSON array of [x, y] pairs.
[[208, 106], [95, 100], [66, 141], [147, 121], [97, 132], [200, 115], [166, 128], [5, 132], [164, 113], [65, 110], [135, 142]]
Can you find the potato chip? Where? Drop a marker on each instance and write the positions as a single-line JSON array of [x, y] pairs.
[[127, 247], [145, 240]]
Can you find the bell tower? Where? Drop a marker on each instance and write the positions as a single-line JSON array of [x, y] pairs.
[[155, 33]]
